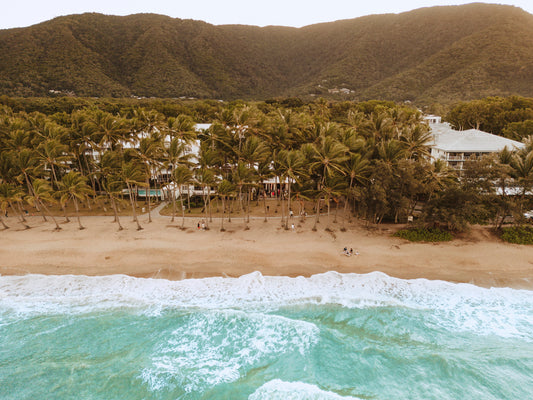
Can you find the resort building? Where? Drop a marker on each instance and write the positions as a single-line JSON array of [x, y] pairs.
[[456, 147]]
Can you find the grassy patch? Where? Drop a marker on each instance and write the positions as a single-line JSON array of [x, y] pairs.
[[518, 234], [424, 235]]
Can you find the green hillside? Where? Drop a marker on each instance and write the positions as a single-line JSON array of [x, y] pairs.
[[437, 54]]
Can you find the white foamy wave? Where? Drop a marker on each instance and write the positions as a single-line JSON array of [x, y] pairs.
[[500, 311], [217, 346], [280, 390]]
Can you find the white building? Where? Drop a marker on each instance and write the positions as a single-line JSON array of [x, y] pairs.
[[455, 147]]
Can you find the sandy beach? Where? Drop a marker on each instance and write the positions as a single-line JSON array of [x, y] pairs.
[[163, 250]]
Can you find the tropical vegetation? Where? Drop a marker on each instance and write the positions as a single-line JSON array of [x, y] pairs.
[[367, 160]]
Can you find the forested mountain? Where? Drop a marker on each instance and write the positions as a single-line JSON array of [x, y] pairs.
[[437, 54]]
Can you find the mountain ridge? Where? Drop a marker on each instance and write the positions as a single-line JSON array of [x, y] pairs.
[[432, 54]]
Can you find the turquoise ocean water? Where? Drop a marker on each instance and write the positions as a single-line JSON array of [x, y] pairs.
[[331, 336]]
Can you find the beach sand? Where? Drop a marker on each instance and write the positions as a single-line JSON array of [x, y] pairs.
[[163, 250]]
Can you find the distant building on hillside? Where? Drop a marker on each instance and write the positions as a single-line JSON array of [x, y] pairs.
[[456, 147]]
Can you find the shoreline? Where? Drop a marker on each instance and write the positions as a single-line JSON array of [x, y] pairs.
[[163, 250]]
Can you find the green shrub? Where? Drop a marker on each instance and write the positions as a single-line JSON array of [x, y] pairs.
[[424, 235], [518, 234]]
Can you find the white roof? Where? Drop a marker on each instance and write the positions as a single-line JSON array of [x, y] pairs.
[[202, 127], [472, 140]]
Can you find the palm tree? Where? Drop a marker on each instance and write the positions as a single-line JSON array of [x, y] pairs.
[[357, 169], [522, 165], [242, 176], [264, 171], [27, 165], [148, 152], [224, 190], [113, 187], [133, 175], [41, 192], [52, 154], [416, 141], [9, 195], [205, 178], [181, 176], [290, 166], [181, 127], [73, 186], [330, 190], [108, 131], [328, 157]]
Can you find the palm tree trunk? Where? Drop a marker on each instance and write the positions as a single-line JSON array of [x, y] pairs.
[[327, 227], [223, 211], [209, 203], [317, 213], [21, 212], [117, 220], [182, 212], [57, 228], [64, 212], [283, 213], [20, 215], [139, 227], [147, 193], [78, 213], [248, 205], [173, 203], [205, 209], [32, 193], [3, 223], [265, 204], [40, 209]]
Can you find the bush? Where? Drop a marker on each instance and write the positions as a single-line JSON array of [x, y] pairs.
[[518, 235], [424, 235]]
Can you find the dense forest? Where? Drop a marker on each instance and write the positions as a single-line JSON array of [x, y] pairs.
[[368, 159], [437, 54]]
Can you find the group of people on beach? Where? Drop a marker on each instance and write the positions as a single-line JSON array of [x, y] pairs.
[[201, 225], [350, 252]]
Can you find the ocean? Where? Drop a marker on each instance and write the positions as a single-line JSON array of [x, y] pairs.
[[330, 336]]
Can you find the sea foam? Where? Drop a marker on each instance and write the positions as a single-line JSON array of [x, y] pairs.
[[499, 311], [280, 390], [215, 347]]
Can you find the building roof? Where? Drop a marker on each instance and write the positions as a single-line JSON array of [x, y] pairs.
[[472, 140]]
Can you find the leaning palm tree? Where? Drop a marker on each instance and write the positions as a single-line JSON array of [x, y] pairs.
[[113, 188], [73, 186], [52, 155], [41, 193], [182, 176], [10, 195]]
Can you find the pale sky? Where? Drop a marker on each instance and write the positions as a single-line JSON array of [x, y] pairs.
[[297, 13]]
